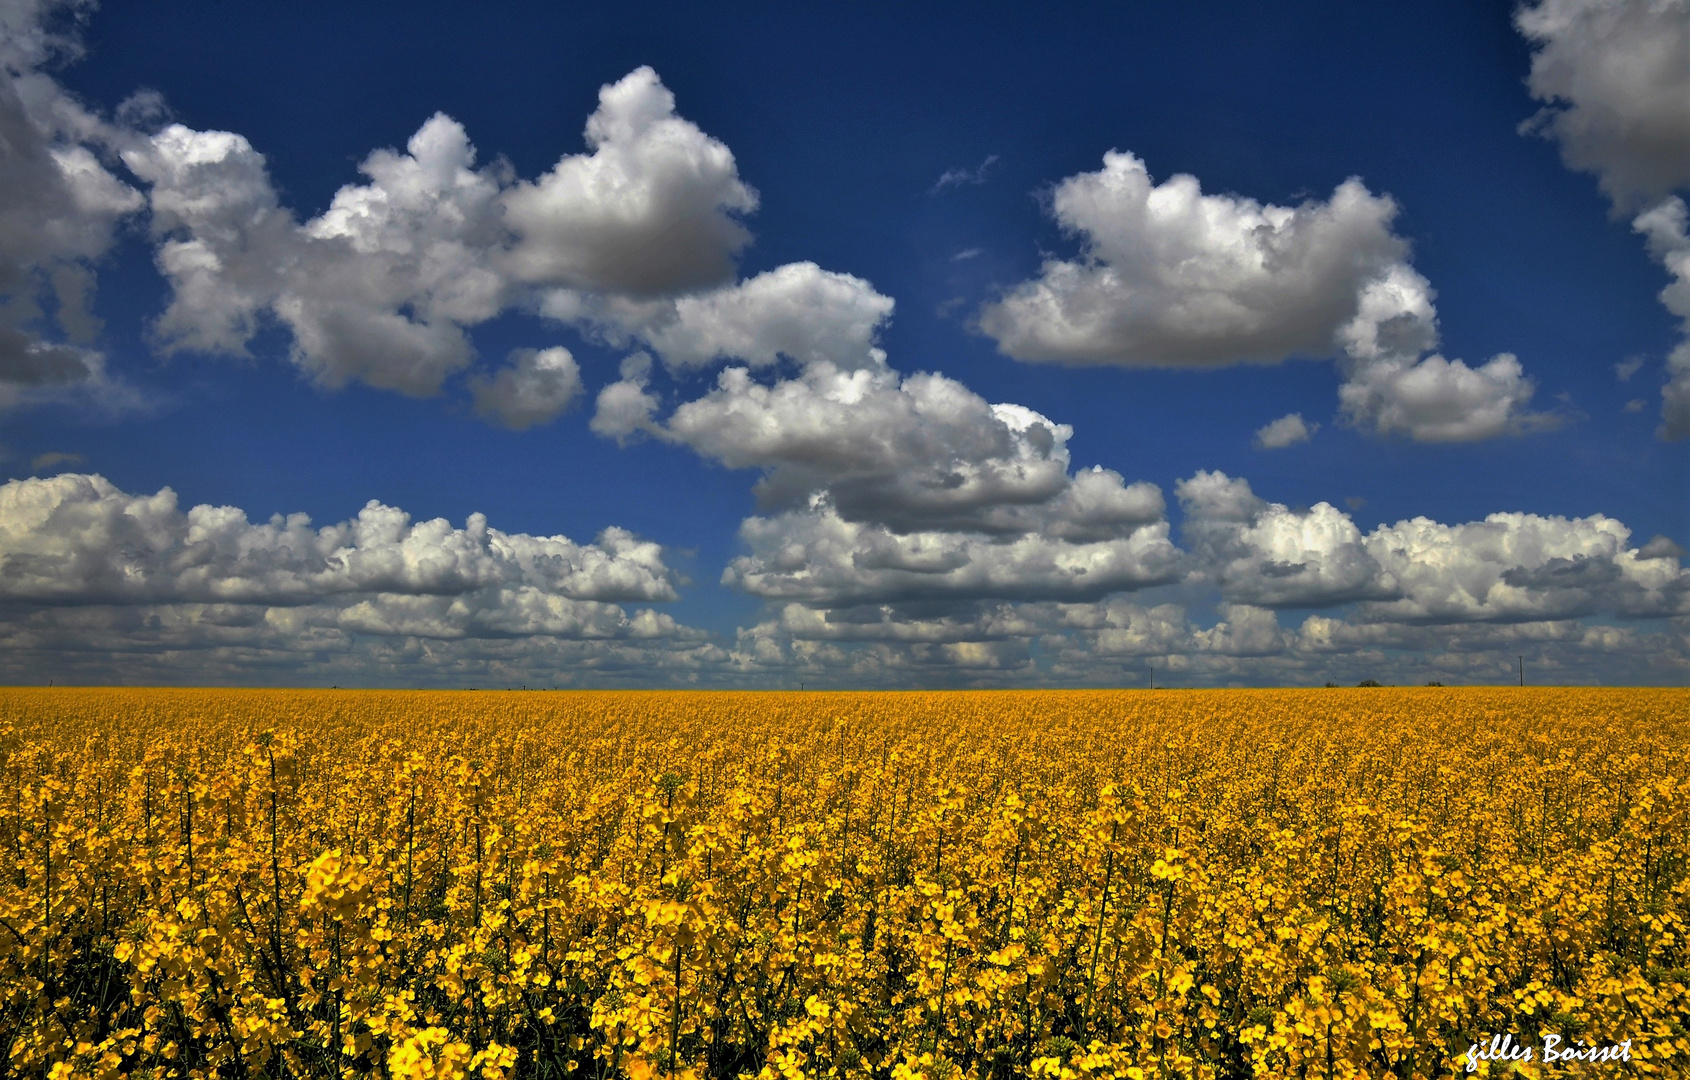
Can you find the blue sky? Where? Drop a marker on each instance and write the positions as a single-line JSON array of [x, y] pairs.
[[984, 345]]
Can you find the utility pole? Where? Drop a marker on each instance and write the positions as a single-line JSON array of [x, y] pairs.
[[1522, 671]]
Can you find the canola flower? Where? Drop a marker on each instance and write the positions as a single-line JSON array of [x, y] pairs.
[[1336, 883]]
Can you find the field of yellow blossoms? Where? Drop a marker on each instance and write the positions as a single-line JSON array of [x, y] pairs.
[[1322, 883]]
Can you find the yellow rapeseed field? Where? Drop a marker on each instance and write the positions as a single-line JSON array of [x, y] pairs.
[[1326, 883]]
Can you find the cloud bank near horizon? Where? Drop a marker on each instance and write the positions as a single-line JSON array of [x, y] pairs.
[[99, 583]]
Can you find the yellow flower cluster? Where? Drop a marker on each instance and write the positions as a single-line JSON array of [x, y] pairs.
[[1336, 883]]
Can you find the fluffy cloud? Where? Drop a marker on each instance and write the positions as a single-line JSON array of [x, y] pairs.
[[377, 289], [626, 407], [798, 311], [913, 452], [1120, 629], [94, 580], [1169, 276], [1521, 567], [1242, 630], [911, 518], [1286, 431], [534, 387], [887, 488], [97, 583], [1389, 388], [1616, 85], [651, 210], [1268, 555], [61, 208], [900, 487], [1508, 568], [827, 323], [925, 622], [821, 559], [1438, 400], [381, 286], [910, 453], [77, 539], [1663, 226]]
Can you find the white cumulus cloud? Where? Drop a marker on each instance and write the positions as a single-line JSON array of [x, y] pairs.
[[1510, 567], [1615, 79], [1169, 276], [534, 387], [652, 209], [1439, 400], [59, 213], [1286, 431], [626, 408], [798, 311], [1268, 555], [100, 584], [1615, 82], [381, 287], [884, 487], [378, 288], [77, 539], [817, 557], [1663, 226]]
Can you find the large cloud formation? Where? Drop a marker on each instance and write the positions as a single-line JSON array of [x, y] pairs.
[[1409, 601], [1174, 277], [76, 538], [1616, 88], [1616, 85], [102, 582], [137, 574], [1664, 227], [1171, 277], [650, 210], [59, 216], [1511, 567], [885, 487], [381, 286], [911, 531]]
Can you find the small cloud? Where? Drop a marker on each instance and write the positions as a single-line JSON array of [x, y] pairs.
[[1660, 547], [535, 387], [43, 462], [948, 307], [1628, 367], [1636, 404], [1284, 432], [959, 177], [1355, 502], [966, 254], [145, 110]]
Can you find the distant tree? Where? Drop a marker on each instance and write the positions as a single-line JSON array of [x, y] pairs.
[[1368, 682], [1434, 682], [1332, 686]]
